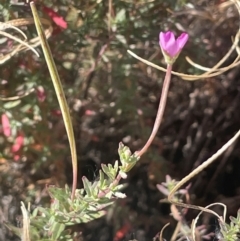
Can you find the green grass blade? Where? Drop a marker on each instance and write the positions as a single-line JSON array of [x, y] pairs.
[[59, 92]]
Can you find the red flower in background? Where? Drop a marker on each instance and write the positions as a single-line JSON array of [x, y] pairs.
[[121, 233], [6, 125], [57, 19], [16, 147], [41, 94], [18, 143]]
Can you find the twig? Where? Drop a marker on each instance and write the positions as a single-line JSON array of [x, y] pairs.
[[198, 170]]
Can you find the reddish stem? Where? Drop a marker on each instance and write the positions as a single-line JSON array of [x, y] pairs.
[[161, 108]]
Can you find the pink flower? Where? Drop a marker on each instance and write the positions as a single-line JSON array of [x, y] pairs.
[[90, 113], [56, 112], [170, 46], [16, 157], [18, 143], [6, 125], [41, 94]]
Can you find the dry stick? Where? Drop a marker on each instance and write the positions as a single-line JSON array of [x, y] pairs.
[[161, 108], [32, 43], [226, 56], [19, 40], [176, 231], [28, 92], [109, 16], [194, 222], [196, 171], [187, 77]]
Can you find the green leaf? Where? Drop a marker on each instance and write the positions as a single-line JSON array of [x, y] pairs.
[[127, 167], [87, 186], [121, 39], [11, 104], [57, 193], [92, 216], [121, 16], [57, 229], [59, 92], [15, 230], [105, 169], [112, 171], [119, 187], [62, 197], [101, 179], [124, 153], [95, 188], [26, 108], [127, 159], [109, 171], [116, 166]]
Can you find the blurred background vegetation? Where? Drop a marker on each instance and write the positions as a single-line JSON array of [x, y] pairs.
[[114, 97]]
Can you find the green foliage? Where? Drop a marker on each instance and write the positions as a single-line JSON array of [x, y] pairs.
[[89, 203], [127, 159], [229, 232], [118, 87]]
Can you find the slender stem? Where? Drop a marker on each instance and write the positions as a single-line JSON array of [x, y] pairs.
[[161, 108]]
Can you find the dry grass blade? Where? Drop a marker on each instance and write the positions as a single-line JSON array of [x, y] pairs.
[[18, 97], [23, 44], [26, 224], [4, 26], [194, 222], [161, 233], [176, 231], [198, 170], [215, 68], [19, 41], [186, 76]]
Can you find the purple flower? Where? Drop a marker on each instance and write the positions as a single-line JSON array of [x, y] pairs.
[[170, 46]]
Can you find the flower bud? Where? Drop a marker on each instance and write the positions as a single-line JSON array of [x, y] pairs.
[[170, 46]]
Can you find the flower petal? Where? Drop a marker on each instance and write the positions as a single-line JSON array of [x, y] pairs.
[[55, 17], [168, 43], [170, 46], [182, 40], [166, 39]]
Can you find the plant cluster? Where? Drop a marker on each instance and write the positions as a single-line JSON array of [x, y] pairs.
[[88, 204]]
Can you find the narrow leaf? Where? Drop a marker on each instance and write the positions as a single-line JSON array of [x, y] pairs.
[[57, 229], [87, 186], [59, 92], [11, 104]]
